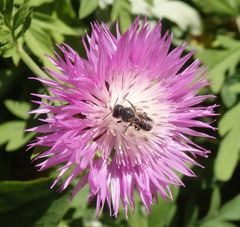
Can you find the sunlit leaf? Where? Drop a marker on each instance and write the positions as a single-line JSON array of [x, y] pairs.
[[180, 13], [230, 210], [19, 109], [216, 223], [228, 155], [214, 203], [35, 3], [235, 88], [219, 62], [221, 7], [229, 120], [47, 22], [87, 7], [13, 134]]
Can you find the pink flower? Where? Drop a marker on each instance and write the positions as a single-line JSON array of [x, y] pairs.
[[125, 116]]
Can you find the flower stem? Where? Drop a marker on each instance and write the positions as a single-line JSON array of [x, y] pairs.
[[31, 64]]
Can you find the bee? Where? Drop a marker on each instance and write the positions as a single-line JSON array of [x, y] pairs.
[[131, 115]]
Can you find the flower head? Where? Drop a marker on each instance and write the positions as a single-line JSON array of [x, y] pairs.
[[126, 114]]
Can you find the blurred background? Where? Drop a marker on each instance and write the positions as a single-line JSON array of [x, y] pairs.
[[30, 29]]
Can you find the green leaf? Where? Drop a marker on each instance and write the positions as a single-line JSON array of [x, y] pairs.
[[5, 35], [34, 3], [47, 22], [39, 42], [8, 50], [121, 9], [220, 7], [220, 62], [12, 192], [229, 98], [180, 13], [54, 212], [216, 223], [235, 88], [80, 202], [139, 218], [21, 14], [227, 41], [19, 109], [8, 12], [26, 25], [215, 202], [12, 133], [162, 214], [229, 120], [31, 203], [228, 155], [87, 7], [230, 210]]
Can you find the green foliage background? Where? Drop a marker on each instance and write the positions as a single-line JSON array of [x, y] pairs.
[[30, 29]]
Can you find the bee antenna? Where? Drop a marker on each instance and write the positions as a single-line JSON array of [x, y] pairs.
[[106, 116], [115, 102], [113, 108], [131, 104]]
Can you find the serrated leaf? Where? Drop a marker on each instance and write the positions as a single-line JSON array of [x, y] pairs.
[[39, 42], [219, 62], [12, 133], [19, 109], [228, 155], [8, 12], [25, 26], [8, 49], [229, 120], [180, 13], [87, 7], [227, 41], [21, 14], [47, 22], [221, 7], [230, 210]]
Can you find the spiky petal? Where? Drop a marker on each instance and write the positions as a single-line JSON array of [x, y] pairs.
[[114, 157]]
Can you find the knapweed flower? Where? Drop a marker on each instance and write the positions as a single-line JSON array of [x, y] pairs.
[[127, 112]]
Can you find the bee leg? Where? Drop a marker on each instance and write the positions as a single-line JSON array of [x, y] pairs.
[[128, 127], [136, 128]]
